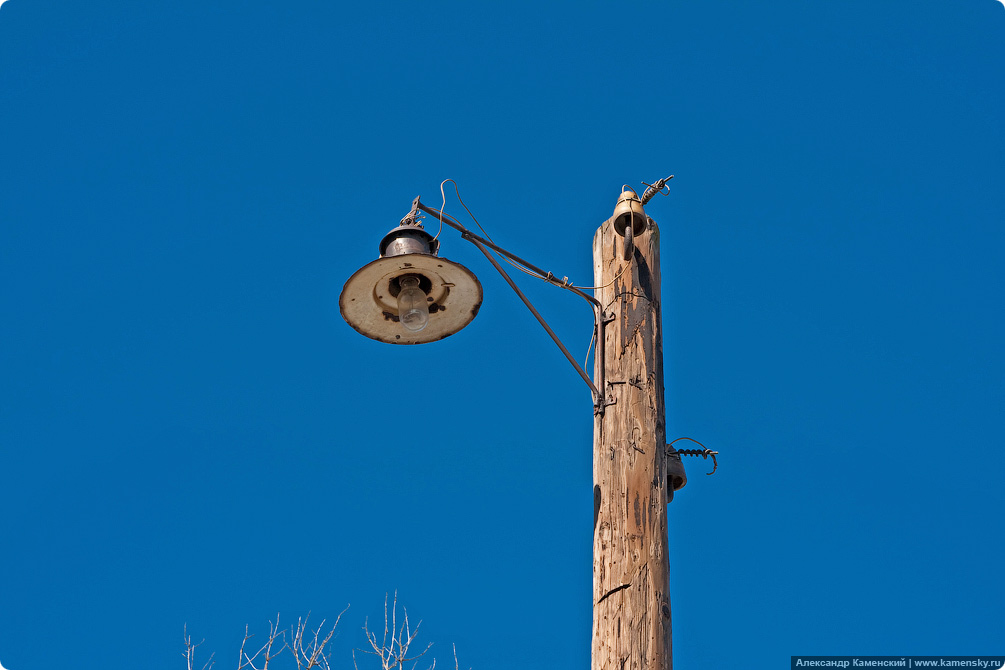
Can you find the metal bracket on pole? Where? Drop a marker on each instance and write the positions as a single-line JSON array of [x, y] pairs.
[[602, 399], [610, 399]]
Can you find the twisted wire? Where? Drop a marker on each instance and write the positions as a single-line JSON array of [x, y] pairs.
[[653, 189], [704, 452]]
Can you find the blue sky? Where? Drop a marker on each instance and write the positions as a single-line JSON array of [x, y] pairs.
[[190, 434]]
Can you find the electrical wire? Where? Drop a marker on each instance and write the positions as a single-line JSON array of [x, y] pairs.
[[551, 279], [596, 288], [443, 204], [689, 439], [516, 265]]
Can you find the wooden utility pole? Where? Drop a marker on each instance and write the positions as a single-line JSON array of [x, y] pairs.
[[631, 586]]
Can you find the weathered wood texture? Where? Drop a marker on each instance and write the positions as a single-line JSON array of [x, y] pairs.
[[631, 599]]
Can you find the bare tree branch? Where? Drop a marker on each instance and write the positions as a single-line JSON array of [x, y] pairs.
[[306, 647], [394, 653], [190, 651]]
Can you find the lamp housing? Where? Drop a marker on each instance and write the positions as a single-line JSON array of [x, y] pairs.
[[409, 262]]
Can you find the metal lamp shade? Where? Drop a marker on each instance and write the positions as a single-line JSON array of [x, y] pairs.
[[369, 304]]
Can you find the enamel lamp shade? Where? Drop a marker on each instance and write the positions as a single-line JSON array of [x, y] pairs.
[[410, 295]]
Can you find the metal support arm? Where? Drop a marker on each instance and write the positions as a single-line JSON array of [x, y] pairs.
[[471, 237], [599, 400]]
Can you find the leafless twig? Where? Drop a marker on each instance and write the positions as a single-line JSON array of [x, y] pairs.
[[311, 648], [190, 651], [276, 637], [393, 653]]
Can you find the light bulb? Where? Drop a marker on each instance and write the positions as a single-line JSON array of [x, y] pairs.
[[412, 308]]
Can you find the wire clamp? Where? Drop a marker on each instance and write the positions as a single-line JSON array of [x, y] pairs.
[[413, 218]]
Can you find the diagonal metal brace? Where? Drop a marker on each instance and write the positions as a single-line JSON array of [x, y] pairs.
[[600, 317], [537, 315]]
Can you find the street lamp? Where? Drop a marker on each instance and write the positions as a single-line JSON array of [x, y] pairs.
[[411, 295], [372, 299]]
